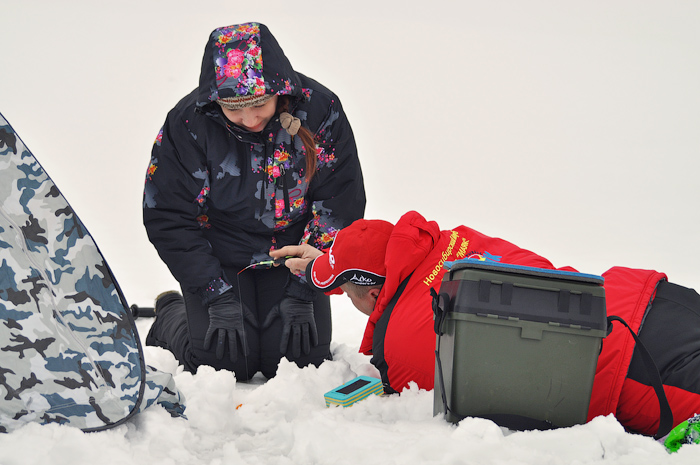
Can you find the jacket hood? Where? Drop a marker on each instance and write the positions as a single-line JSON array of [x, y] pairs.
[[245, 59]]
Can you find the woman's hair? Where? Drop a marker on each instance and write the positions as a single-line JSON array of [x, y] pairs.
[[306, 137]]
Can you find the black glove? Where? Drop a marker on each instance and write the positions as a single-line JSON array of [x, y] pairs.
[[226, 317], [297, 317]]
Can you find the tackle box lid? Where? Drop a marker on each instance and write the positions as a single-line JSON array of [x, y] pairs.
[[473, 263], [561, 298]]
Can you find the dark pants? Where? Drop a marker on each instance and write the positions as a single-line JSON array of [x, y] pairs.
[[181, 324], [671, 333]]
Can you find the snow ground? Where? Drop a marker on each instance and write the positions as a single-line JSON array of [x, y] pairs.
[[569, 128]]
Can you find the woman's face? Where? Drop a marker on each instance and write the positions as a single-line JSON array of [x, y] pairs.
[[254, 119]]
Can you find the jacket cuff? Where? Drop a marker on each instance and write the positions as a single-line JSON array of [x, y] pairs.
[[299, 290], [214, 289]]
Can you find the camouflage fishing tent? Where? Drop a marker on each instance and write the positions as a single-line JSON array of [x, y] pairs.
[[69, 349]]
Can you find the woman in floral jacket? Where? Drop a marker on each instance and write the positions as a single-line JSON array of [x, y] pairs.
[[256, 158]]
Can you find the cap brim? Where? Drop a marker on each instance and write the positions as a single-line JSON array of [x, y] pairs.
[[320, 276]]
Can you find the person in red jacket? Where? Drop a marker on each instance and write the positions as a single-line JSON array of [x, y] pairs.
[[373, 261]]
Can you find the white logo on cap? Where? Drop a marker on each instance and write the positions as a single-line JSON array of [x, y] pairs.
[[362, 280], [331, 258], [320, 283]]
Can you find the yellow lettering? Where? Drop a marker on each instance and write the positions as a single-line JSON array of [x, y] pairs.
[[446, 254], [462, 252]]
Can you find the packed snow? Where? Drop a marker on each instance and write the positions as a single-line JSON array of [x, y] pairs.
[[285, 421], [568, 128]]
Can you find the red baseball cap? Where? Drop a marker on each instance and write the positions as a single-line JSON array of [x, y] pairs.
[[356, 256]]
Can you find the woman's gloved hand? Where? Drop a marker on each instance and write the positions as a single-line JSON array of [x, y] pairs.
[[226, 318], [297, 317]]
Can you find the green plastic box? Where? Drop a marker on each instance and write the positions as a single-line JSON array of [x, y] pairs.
[[517, 345]]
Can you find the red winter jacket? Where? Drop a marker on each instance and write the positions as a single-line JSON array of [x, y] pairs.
[[628, 294], [418, 246]]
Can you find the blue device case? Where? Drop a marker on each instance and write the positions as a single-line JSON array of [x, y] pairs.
[[353, 391]]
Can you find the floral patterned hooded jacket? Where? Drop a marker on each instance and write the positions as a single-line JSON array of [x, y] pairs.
[[217, 195]]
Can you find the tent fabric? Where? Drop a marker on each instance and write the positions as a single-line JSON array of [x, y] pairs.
[[69, 348]]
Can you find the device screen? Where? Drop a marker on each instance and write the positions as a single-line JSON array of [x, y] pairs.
[[353, 387]]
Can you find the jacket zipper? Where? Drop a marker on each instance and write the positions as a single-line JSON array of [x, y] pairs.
[[285, 191]]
